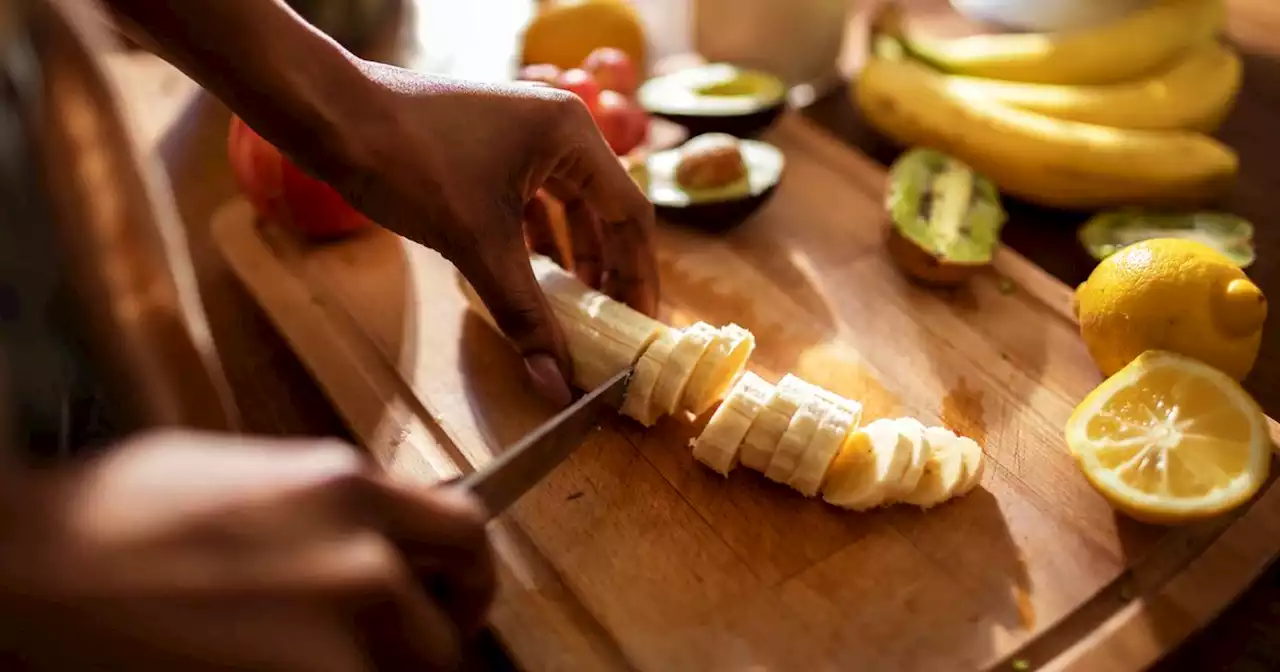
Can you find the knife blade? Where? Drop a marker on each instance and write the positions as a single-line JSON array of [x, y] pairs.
[[521, 466]]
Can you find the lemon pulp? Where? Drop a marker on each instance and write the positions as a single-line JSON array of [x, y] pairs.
[[1169, 438]]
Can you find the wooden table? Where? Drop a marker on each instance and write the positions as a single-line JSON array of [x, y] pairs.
[[277, 396]]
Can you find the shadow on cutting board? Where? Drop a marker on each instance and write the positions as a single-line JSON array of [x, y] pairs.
[[860, 579], [969, 539], [505, 403], [755, 281]]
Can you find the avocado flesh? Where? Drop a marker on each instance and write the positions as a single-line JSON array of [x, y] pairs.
[[749, 91], [946, 209], [718, 89]]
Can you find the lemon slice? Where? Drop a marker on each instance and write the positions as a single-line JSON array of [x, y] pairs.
[[1169, 439]]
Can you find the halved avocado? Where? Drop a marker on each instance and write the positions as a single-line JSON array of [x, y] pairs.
[[716, 98], [713, 207], [1107, 232], [945, 217]]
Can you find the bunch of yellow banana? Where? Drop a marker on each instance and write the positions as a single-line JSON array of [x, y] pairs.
[[1115, 115]]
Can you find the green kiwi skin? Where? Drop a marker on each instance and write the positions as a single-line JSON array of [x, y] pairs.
[[925, 268]]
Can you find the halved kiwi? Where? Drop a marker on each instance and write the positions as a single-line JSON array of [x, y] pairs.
[[712, 205], [716, 98], [1107, 232], [945, 217]]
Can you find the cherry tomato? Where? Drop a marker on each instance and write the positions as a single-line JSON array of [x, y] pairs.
[[583, 85], [282, 192], [622, 122], [541, 72], [613, 70]]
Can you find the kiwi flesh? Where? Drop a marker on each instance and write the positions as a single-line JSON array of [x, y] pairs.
[[945, 218], [1108, 232]]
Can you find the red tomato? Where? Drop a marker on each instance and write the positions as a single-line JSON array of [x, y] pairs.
[[282, 192], [583, 85], [622, 122], [613, 70], [541, 72]]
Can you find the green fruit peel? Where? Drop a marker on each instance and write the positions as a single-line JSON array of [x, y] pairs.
[[1108, 232]]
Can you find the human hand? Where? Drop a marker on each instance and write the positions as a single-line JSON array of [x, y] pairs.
[[202, 551], [456, 166]]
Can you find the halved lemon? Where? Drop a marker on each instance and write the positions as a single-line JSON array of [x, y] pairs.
[[1169, 439]]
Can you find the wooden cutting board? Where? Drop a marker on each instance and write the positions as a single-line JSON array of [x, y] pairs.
[[632, 556]]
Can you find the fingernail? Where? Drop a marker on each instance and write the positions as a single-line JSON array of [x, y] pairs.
[[548, 379]]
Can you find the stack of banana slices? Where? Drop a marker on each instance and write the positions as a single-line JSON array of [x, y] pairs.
[[795, 433], [801, 435], [1114, 115]]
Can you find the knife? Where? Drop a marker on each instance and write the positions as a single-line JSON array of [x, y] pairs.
[[504, 480]]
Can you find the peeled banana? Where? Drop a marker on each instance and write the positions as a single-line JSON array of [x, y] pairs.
[[672, 363], [719, 367], [1196, 93], [868, 467], [772, 422], [686, 354], [974, 464], [1049, 161], [1129, 48], [639, 403], [876, 466], [910, 431], [841, 419], [795, 433], [603, 336], [943, 472], [822, 450], [800, 431]]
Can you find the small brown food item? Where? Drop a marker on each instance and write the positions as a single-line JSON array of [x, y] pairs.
[[710, 161], [712, 182]]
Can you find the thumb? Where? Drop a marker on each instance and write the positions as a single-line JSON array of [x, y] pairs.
[[503, 278]]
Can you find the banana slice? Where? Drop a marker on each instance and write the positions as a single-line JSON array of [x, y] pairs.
[[869, 465], [638, 403], [800, 431], [944, 471], [722, 363], [839, 421], [680, 365], [718, 445], [974, 464], [911, 431], [772, 421]]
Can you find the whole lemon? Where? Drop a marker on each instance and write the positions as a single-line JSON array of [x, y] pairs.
[[1171, 294]]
